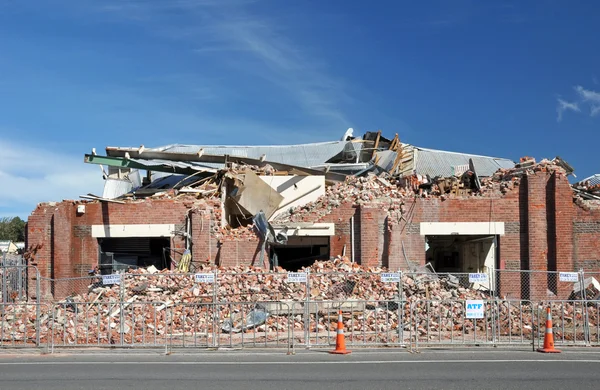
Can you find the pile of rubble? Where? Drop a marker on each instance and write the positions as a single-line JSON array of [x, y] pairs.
[[160, 304], [587, 194]]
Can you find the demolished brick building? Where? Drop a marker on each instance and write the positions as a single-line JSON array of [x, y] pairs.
[[376, 201]]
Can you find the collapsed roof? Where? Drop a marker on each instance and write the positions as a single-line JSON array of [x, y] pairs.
[[335, 160]]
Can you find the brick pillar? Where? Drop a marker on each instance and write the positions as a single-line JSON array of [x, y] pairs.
[[537, 225], [407, 246], [372, 242], [39, 246], [564, 216]]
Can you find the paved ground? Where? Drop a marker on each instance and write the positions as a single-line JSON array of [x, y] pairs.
[[248, 370]]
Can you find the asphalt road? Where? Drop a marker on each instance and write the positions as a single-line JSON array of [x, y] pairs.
[[249, 370]]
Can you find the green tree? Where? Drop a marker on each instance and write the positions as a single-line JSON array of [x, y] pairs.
[[12, 229]]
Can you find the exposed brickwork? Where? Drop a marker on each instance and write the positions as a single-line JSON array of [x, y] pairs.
[[81, 231], [586, 227], [562, 239], [512, 227], [342, 218], [544, 230]]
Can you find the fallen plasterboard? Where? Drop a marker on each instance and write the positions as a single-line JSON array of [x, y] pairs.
[[255, 195], [295, 190]]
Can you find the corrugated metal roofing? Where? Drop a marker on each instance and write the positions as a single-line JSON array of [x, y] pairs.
[[594, 179], [304, 155], [113, 188], [441, 163]]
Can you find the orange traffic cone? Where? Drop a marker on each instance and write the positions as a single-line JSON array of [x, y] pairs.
[[548, 337], [340, 341]]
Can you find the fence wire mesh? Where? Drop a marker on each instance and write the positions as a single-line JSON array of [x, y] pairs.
[[214, 309]]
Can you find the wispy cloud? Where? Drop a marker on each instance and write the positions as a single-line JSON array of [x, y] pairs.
[[248, 43], [30, 175], [563, 106], [587, 98], [587, 95]]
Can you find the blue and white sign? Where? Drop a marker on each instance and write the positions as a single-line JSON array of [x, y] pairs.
[[568, 277], [475, 309], [111, 279], [478, 278], [390, 277], [297, 277], [204, 278]]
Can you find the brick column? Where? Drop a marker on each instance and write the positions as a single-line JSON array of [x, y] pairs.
[[537, 225], [372, 222], [564, 237]]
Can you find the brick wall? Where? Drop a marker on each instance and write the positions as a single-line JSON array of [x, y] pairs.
[[544, 230], [586, 242]]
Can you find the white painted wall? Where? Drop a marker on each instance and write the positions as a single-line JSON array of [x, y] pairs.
[[149, 230], [321, 229], [462, 228], [292, 187]]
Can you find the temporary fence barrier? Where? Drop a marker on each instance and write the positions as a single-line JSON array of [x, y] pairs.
[[391, 308], [230, 325], [14, 281], [472, 322], [23, 324], [366, 323], [108, 324]]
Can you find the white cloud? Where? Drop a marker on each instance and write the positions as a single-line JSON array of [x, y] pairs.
[[31, 175], [587, 95], [563, 106], [586, 99], [256, 44]]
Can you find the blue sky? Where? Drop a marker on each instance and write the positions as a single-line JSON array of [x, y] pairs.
[[502, 78]]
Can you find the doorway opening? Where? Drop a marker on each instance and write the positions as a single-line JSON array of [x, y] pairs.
[[123, 253], [300, 252]]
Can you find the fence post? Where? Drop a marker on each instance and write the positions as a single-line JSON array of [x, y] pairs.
[[307, 311], [38, 308], [586, 328], [122, 307], [215, 316], [4, 289], [400, 310]]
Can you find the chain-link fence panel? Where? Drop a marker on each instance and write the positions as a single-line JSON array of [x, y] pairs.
[[535, 285], [169, 287], [338, 286], [81, 289], [256, 287], [17, 282], [440, 286]]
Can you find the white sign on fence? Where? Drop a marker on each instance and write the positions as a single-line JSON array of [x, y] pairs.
[[204, 278], [111, 279], [297, 277], [478, 278], [568, 276], [475, 309], [390, 277]]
